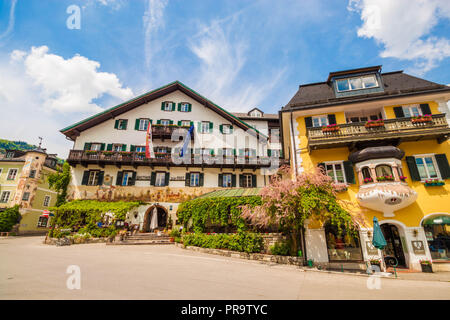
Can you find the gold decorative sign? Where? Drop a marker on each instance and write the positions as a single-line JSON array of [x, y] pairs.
[[418, 247]]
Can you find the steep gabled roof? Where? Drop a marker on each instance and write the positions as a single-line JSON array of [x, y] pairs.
[[396, 84], [73, 131]]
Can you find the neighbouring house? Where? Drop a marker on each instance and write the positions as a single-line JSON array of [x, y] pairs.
[[23, 182], [109, 158], [384, 135]]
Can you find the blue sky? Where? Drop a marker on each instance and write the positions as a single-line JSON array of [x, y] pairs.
[[240, 54]]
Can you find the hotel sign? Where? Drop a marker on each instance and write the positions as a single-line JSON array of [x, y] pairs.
[[418, 247], [371, 250]]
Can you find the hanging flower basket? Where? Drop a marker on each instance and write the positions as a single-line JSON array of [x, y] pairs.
[[374, 123], [331, 128], [422, 119], [434, 182]]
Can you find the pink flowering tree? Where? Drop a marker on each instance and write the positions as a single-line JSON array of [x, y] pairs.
[[288, 203]]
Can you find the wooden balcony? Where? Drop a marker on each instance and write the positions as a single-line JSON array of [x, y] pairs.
[[399, 130], [135, 159], [165, 132]]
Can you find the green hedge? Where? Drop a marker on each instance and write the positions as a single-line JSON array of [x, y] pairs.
[[9, 218], [280, 248], [221, 211], [242, 241]]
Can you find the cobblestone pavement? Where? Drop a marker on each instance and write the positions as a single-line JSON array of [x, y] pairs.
[[32, 270]]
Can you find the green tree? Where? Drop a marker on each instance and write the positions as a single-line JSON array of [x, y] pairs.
[[59, 182], [9, 218]]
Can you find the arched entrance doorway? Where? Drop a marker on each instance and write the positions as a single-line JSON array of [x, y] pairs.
[[394, 246], [162, 218]]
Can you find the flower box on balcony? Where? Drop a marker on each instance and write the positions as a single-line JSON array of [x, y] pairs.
[[125, 153], [422, 119], [402, 178], [434, 182], [374, 123], [331, 128], [368, 180], [385, 178], [108, 153], [91, 152]]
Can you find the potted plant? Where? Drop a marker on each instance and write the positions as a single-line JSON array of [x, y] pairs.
[[426, 266], [374, 123], [368, 180], [434, 182], [331, 128], [422, 119]]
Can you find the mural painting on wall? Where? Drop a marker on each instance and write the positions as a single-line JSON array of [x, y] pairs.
[[144, 194]]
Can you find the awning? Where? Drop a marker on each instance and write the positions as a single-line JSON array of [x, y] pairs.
[[437, 220]]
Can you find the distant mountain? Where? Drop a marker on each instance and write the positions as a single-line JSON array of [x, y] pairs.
[[14, 145]]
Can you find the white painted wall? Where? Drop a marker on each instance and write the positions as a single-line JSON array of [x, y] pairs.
[[316, 245]]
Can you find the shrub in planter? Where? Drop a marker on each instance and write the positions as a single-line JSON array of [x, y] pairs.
[[242, 241], [426, 266]]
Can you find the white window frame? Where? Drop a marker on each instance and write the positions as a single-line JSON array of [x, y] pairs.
[[47, 202], [28, 196], [117, 147], [94, 180], [119, 125], [96, 147], [194, 179], [168, 105], [2, 197], [320, 122], [224, 180], [9, 154], [41, 225], [185, 123], [160, 180], [436, 167], [143, 124], [9, 174], [334, 163], [256, 114], [139, 148], [409, 107], [164, 122], [228, 152], [248, 182], [184, 107], [362, 83], [203, 127], [227, 127]]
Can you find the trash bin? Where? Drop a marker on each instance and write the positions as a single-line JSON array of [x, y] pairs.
[[310, 263], [300, 253]]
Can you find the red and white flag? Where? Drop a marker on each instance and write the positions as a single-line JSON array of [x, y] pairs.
[[149, 153]]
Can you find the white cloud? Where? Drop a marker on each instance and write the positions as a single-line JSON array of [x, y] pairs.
[[403, 27], [11, 21], [222, 59], [153, 21], [68, 85], [41, 93]]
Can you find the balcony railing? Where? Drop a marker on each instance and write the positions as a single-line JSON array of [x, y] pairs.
[[165, 132], [85, 157], [403, 129]]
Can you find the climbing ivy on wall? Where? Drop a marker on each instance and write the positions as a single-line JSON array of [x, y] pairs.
[[222, 211]]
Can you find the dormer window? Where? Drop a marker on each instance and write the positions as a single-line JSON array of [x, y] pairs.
[[256, 113], [356, 83]]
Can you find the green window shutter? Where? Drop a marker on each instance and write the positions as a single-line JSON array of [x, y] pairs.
[[116, 124], [101, 174], [233, 180], [349, 173], [179, 123], [85, 179], [201, 179], [132, 148], [173, 106], [331, 119], [221, 128], [220, 184], [102, 147], [119, 178], [153, 179], [162, 105], [442, 163], [124, 147], [269, 152], [167, 178], [190, 107], [241, 180], [124, 125], [158, 122], [308, 122], [254, 182], [109, 147], [231, 129], [211, 126], [179, 106], [87, 146], [412, 166], [187, 182], [170, 121], [234, 151], [192, 123], [425, 108], [399, 112], [132, 180], [136, 124]]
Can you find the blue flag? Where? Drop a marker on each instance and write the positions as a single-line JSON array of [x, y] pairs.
[[186, 141]]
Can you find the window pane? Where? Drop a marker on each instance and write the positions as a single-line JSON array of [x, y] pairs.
[[339, 173], [430, 167], [330, 171], [383, 170], [316, 122], [342, 246], [369, 82], [421, 168], [355, 83], [342, 85], [407, 112]]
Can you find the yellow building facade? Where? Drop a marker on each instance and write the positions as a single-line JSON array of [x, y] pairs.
[[384, 136], [23, 182]]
